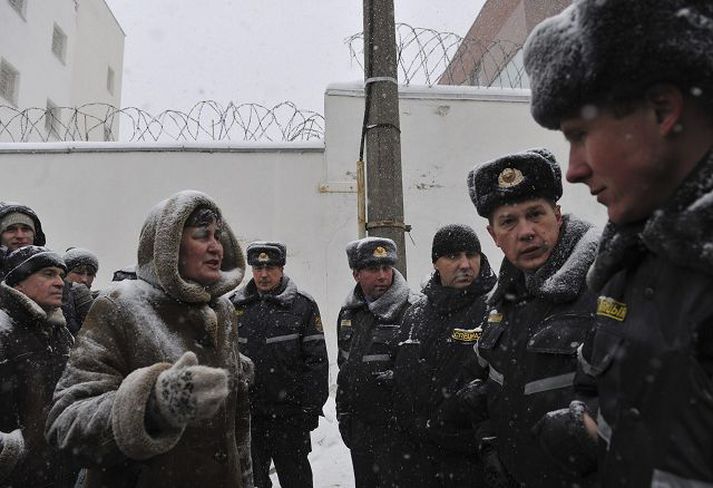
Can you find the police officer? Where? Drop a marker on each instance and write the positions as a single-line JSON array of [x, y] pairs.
[[367, 327], [280, 329], [435, 359], [540, 313], [639, 121]]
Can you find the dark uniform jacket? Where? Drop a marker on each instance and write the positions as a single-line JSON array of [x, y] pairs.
[[529, 344], [34, 347], [367, 339], [652, 355], [435, 359], [282, 333]]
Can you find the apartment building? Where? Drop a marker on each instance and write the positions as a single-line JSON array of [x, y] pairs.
[[55, 54]]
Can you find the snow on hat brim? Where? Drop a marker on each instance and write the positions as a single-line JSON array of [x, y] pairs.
[[533, 173], [595, 51], [371, 251], [264, 253], [78, 256], [27, 260], [454, 239]]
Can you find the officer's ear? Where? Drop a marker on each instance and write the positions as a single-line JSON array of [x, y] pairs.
[[666, 100], [355, 274]]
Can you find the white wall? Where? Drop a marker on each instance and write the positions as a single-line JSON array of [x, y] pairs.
[[94, 41], [97, 195]]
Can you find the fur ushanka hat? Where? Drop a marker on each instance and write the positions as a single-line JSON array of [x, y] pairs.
[[612, 50]]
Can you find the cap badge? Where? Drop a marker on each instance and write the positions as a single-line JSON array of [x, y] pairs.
[[263, 257], [510, 177], [380, 252]]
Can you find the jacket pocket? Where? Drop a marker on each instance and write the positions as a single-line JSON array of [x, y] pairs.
[[561, 335]]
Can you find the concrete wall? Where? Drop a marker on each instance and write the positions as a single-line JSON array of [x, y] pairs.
[[97, 195]]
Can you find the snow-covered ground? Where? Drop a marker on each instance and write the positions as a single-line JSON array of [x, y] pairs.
[[331, 464]]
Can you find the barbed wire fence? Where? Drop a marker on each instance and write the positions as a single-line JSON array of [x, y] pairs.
[[206, 120], [425, 57], [429, 57]]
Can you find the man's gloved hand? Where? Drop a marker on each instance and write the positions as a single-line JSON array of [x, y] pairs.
[[474, 398], [345, 428], [494, 473], [564, 437], [187, 392]]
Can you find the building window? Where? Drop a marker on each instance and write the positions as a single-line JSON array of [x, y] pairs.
[[9, 82], [52, 119], [59, 43], [110, 80], [19, 6]]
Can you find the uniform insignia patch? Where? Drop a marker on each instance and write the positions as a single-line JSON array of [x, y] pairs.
[[380, 252], [466, 335], [263, 257], [610, 308], [510, 177], [495, 317], [318, 324], [346, 323]]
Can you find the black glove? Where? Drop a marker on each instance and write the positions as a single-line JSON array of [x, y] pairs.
[[310, 420], [494, 473], [563, 436], [345, 428], [474, 397]]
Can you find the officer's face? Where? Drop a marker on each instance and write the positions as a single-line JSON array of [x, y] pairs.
[[17, 236], [374, 280], [458, 270], [44, 287], [201, 254], [82, 274], [267, 277], [526, 232], [624, 159]]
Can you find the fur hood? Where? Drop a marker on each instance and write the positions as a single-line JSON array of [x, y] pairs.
[[681, 231], [159, 245], [388, 305], [563, 277]]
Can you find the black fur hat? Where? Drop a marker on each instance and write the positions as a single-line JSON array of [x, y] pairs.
[[598, 50], [24, 261], [264, 253], [453, 239], [371, 251], [513, 178]]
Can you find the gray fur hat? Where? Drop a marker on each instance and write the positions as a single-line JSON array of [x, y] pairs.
[[264, 253], [533, 173], [371, 251], [77, 256], [597, 51], [22, 262]]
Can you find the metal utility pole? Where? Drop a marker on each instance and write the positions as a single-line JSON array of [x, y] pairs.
[[385, 202]]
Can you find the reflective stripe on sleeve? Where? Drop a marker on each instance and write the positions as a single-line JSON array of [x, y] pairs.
[[482, 362], [603, 428], [551, 383], [368, 358], [664, 479], [586, 366], [496, 376], [282, 338], [314, 337]]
